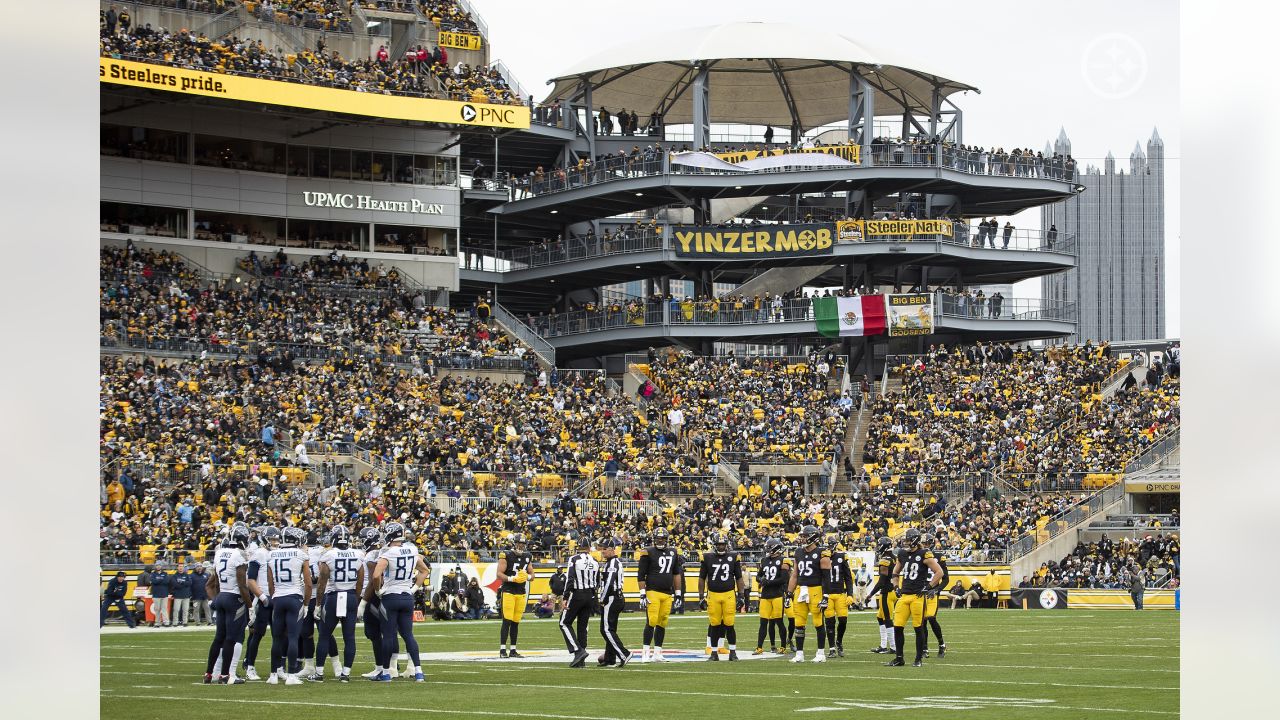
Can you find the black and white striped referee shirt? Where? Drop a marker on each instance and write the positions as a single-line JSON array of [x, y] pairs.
[[583, 574], [611, 584]]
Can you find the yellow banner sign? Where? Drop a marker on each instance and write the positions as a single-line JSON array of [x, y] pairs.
[[463, 41], [852, 153], [274, 92], [1146, 487], [752, 241], [860, 230]]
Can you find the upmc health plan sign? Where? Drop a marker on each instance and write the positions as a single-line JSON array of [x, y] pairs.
[[288, 94]]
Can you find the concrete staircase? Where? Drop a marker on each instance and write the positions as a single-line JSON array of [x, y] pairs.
[[777, 281]]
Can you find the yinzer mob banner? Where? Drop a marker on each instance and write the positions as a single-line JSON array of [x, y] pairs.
[[746, 242], [852, 153], [464, 41], [910, 314], [276, 92], [879, 230]]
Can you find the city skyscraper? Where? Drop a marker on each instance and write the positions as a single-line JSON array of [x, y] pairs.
[[1118, 284]]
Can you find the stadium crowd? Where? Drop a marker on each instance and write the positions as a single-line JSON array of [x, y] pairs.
[[1037, 415], [420, 73], [1113, 564]]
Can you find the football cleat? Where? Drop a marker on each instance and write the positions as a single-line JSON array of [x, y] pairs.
[[579, 659], [208, 678], [942, 650], [344, 678], [236, 681], [917, 663], [840, 651], [622, 661], [222, 680], [658, 656], [799, 658], [774, 649], [926, 652], [601, 662], [513, 654], [880, 650], [820, 657], [292, 679], [314, 677], [733, 655], [381, 677], [251, 673], [760, 651], [372, 674], [896, 662], [273, 679], [419, 677], [502, 653], [831, 652], [713, 657]]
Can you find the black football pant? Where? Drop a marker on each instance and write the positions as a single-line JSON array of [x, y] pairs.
[[286, 629], [229, 631], [327, 645], [614, 650], [261, 622], [575, 617]]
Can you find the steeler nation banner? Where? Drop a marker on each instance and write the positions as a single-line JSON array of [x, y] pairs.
[[748, 242], [910, 314], [880, 230]]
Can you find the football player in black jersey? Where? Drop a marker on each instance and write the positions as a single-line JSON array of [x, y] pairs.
[[720, 583], [885, 593], [931, 603], [515, 569], [838, 584], [913, 566], [805, 591], [660, 576], [771, 576]]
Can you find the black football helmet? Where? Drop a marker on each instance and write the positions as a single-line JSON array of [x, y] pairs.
[[340, 537], [660, 537], [519, 540], [911, 538], [884, 545], [719, 543], [810, 535], [773, 547]]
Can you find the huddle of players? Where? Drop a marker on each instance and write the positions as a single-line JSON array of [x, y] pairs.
[[288, 582]]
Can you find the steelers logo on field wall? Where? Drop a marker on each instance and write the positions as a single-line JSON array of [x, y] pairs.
[[1048, 599], [468, 113]]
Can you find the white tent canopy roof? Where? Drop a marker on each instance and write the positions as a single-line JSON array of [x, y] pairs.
[[751, 66]]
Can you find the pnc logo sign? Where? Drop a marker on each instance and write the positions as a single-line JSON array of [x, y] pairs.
[[468, 113]]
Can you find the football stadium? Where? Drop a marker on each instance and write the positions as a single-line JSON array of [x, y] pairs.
[[718, 356]]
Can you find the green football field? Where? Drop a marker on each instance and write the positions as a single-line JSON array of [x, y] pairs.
[[1006, 664]]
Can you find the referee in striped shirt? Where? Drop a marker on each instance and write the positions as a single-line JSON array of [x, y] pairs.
[[580, 590], [611, 600]]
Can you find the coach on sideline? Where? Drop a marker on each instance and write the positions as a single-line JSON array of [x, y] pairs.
[[114, 595]]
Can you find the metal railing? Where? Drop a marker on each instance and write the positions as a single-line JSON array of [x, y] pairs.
[[1116, 379], [1007, 309], [545, 351], [1155, 453], [575, 249], [1065, 520], [883, 155]]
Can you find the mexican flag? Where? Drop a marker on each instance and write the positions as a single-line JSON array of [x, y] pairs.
[[844, 316]]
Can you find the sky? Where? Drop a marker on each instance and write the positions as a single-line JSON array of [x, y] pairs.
[[1105, 71]]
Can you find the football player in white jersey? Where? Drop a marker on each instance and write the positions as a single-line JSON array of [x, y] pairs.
[[370, 609], [290, 581], [342, 574], [268, 538], [399, 571], [307, 640], [229, 586]]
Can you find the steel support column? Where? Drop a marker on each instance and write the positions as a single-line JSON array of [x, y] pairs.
[[590, 130], [701, 108]]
